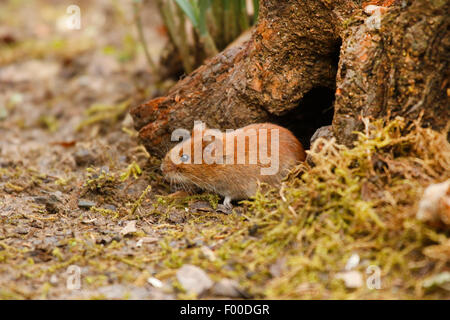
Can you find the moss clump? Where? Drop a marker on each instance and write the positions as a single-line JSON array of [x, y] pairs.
[[132, 170], [104, 113], [100, 180]]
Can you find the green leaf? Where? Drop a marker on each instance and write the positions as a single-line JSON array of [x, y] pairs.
[[256, 10], [190, 11], [203, 7]]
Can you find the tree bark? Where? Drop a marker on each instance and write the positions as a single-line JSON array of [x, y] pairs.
[[399, 68]]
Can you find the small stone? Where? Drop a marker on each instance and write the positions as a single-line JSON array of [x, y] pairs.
[[193, 279], [117, 238], [277, 269], [110, 207], [176, 217], [227, 288], [155, 282], [146, 240], [325, 132], [37, 224], [129, 228], [54, 279], [352, 279], [21, 230], [435, 203], [352, 262], [56, 196], [105, 240], [86, 204], [150, 240], [89, 221], [84, 157], [441, 280], [51, 202], [201, 206], [208, 253], [50, 241]]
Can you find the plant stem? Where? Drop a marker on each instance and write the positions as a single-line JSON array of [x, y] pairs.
[[219, 34], [234, 19], [167, 15], [184, 46], [137, 18], [243, 17], [255, 11], [205, 36], [228, 22]]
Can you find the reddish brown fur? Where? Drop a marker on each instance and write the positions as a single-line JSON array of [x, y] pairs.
[[236, 181]]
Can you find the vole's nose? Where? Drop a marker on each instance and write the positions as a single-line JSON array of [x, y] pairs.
[[167, 166]]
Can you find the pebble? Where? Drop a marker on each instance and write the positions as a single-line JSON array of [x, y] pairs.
[[227, 288], [201, 206], [155, 282], [117, 238], [86, 204], [176, 217], [84, 157], [54, 279], [105, 240], [352, 279], [51, 202], [435, 203], [193, 279], [110, 207], [21, 230], [37, 224], [352, 262], [129, 228]]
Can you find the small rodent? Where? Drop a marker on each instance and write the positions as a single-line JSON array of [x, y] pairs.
[[231, 163]]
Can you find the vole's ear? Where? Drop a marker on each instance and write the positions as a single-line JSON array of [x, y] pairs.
[[199, 129]]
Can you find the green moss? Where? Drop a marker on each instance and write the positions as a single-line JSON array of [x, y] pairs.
[[132, 170], [99, 180], [103, 113]]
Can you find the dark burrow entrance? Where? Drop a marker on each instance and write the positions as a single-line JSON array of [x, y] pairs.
[[314, 110]]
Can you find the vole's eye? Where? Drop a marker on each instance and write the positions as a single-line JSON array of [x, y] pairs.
[[184, 158]]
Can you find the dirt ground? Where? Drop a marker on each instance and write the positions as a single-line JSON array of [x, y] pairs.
[[85, 213], [53, 80]]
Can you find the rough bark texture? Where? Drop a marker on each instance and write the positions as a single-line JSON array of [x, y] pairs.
[[401, 68]]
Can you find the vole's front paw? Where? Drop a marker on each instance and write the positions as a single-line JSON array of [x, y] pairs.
[[226, 207]]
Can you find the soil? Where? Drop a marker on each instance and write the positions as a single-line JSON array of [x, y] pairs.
[[51, 80]]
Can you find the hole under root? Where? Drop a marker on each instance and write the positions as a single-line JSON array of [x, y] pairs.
[[314, 110]]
